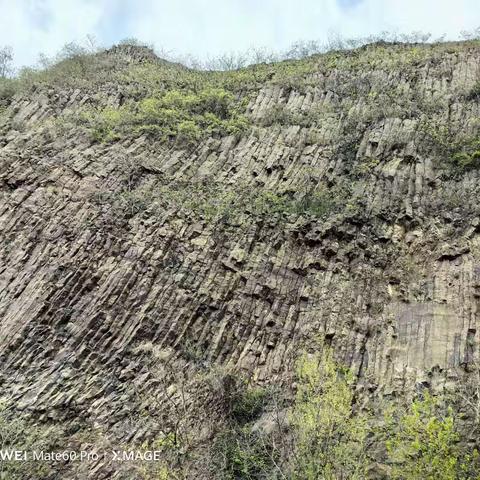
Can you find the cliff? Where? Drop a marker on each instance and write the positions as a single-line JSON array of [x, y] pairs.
[[158, 224]]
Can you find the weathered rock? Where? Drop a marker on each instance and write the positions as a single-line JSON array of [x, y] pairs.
[[87, 295]]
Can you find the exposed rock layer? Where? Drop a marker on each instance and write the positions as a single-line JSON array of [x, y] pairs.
[[85, 295]]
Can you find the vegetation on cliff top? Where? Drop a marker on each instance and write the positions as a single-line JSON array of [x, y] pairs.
[[184, 116], [169, 101], [182, 107]]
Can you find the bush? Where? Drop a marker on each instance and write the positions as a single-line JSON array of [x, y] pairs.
[[423, 444], [468, 159], [214, 100], [239, 453], [329, 439], [249, 404], [474, 93], [211, 201], [8, 89], [319, 202], [18, 434], [74, 66], [178, 115], [457, 150], [188, 132], [129, 203]]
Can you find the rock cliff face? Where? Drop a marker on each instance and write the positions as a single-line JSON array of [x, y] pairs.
[[118, 285]]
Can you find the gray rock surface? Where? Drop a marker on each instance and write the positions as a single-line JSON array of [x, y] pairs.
[[90, 297]]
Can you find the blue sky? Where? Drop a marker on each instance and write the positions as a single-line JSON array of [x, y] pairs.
[[209, 27]]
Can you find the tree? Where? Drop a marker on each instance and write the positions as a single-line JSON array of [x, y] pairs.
[[424, 443], [329, 438], [6, 60]]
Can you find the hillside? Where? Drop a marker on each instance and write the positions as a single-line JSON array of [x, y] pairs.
[[171, 236]]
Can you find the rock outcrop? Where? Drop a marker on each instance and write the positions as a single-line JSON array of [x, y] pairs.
[[94, 293]]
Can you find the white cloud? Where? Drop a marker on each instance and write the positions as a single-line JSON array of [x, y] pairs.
[[35, 26], [203, 27]]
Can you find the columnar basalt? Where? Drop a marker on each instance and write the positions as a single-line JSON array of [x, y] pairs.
[[338, 214]]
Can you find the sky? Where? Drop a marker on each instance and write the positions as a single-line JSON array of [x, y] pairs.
[[207, 28]]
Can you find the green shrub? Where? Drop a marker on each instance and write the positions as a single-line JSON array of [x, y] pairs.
[[320, 202], [214, 100], [18, 434], [130, 203], [240, 454], [468, 158], [366, 166], [455, 149], [423, 444], [188, 132], [329, 438], [76, 71], [213, 202], [183, 116], [317, 203], [474, 93], [104, 126], [249, 404], [268, 202], [236, 125], [8, 88], [239, 450]]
